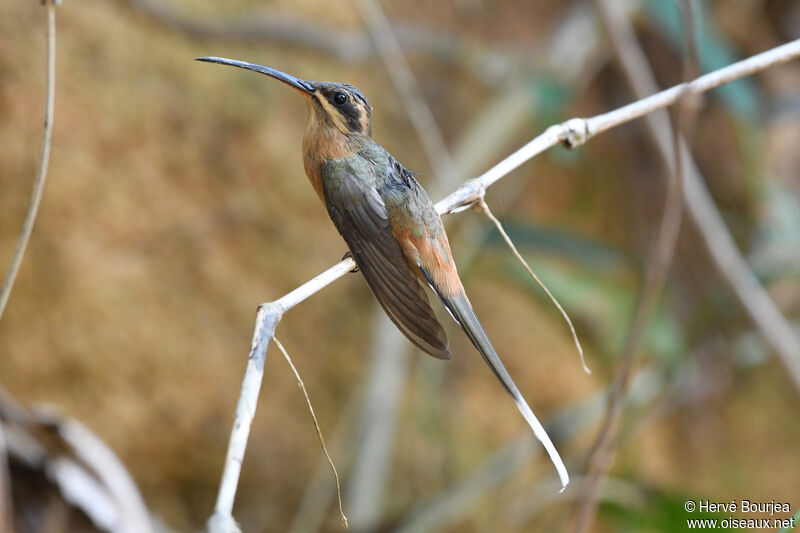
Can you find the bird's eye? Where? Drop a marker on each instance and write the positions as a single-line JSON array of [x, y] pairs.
[[339, 98]]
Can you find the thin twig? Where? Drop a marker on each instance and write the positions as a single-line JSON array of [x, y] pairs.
[[41, 176], [390, 360], [624, 493], [700, 206], [450, 506], [316, 425], [651, 388], [321, 488], [488, 212], [267, 318], [577, 131], [573, 133], [506, 114], [601, 455]]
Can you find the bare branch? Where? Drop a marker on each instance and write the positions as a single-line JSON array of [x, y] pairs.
[[484, 207], [504, 116], [390, 360], [576, 131], [601, 454], [316, 425], [572, 133], [321, 489], [542, 496], [96, 456], [86, 473], [41, 176], [699, 204], [310, 288], [267, 319], [451, 505]]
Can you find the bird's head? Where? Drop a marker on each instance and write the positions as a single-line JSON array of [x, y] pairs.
[[333, 105]]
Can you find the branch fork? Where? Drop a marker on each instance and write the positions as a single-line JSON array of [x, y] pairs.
[[571, 133]]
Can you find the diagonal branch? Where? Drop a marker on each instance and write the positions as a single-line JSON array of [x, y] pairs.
[[483, 206], [700, 206], [41, 176], [601, 455], [316, 426], [373, 447], [573, 132]]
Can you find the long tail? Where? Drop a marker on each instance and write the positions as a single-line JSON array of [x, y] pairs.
[[461, 310]]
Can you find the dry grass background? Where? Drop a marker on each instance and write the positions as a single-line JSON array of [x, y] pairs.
[[176, 203]]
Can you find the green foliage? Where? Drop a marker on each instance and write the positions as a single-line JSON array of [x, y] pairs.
[[595, 284], [776, 243], [740, 96], [552, 97], [662, 512]]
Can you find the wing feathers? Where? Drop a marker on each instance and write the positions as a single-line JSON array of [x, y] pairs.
[[360, 215], [461, 310]]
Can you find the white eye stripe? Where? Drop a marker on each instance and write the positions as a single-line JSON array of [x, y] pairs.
[[333, 114]]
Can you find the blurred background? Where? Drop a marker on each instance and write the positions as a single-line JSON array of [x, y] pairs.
[[176, 202]]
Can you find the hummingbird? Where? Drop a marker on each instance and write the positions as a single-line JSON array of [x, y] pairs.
[[390, 225]]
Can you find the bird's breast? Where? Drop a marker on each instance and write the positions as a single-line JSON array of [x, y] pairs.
[[321, 145]]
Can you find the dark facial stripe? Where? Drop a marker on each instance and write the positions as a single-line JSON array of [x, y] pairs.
[[349, 111]]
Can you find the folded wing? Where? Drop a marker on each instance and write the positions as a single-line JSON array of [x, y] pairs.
[[358, 212]]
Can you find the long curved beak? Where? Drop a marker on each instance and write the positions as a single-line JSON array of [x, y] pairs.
[[303, 86]]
